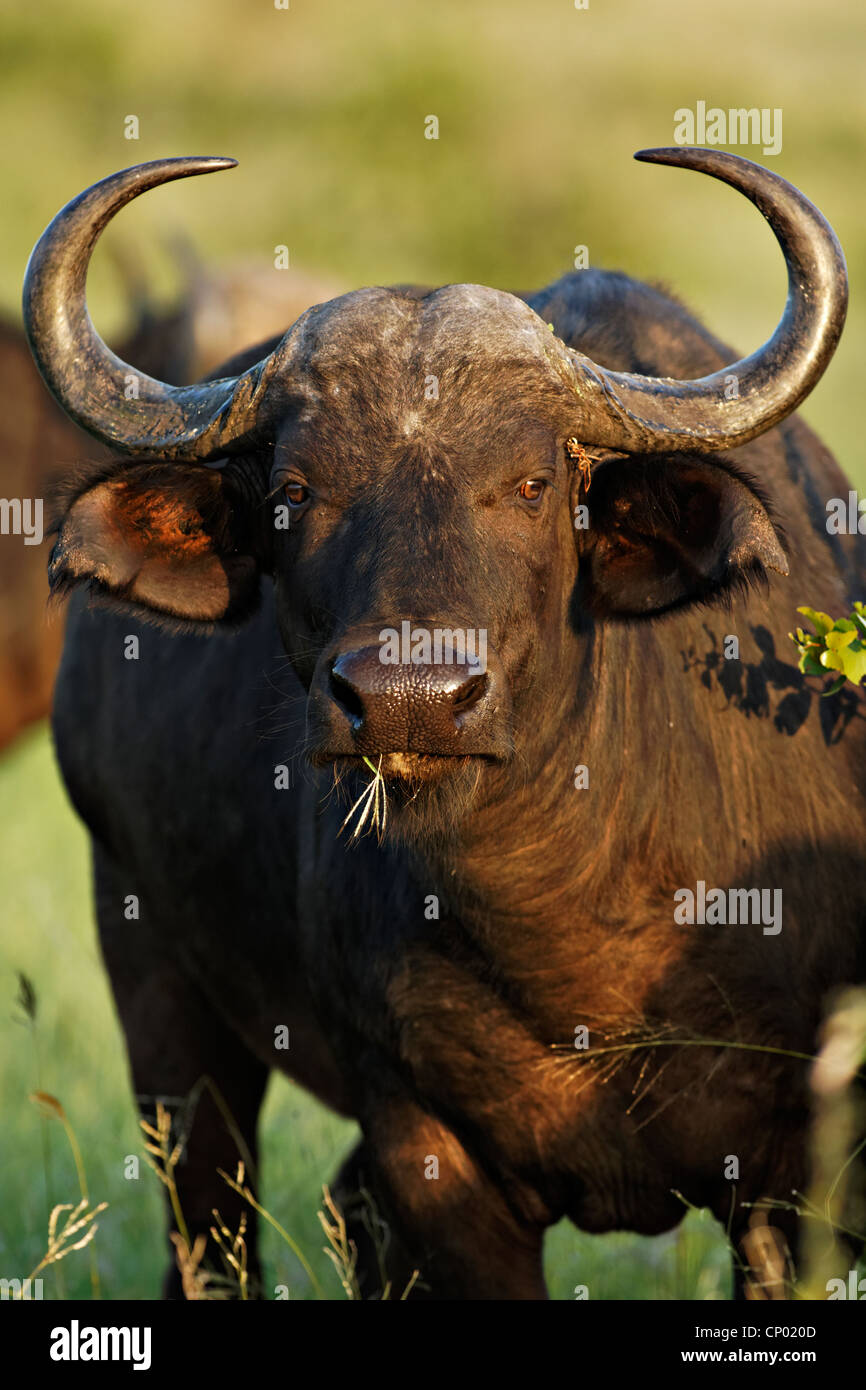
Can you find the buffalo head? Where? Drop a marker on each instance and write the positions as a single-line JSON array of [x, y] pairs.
[[407, 467]]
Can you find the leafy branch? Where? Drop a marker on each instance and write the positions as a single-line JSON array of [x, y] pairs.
[[833, 646]]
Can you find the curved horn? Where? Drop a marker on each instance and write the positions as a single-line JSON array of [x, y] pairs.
[[655, 414], [92, 385]]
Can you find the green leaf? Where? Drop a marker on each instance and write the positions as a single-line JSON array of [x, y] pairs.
[[840, 637], [821, 622], [853, 662], [831, 661], [809, 666]]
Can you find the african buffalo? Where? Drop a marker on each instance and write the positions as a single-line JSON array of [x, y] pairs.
[[586, 479]]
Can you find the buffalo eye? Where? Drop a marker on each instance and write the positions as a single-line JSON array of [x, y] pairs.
[[296, 494], [532, 490]]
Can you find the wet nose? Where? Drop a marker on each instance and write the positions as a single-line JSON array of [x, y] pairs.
[[411, 707]]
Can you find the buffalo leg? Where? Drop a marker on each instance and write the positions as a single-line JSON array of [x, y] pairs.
[[214, 1120], [184, 1056], [447, 1222], [382, 1263]]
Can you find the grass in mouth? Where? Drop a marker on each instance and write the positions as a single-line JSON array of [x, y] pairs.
[[371, 805]]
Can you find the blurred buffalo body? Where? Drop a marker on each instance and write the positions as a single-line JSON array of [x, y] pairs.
[[223, 311], [217, 311], [37, 444]]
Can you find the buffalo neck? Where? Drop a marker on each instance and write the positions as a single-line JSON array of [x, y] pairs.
[[577, 832]]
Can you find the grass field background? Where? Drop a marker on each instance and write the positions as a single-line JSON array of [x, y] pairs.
[[540, 108]]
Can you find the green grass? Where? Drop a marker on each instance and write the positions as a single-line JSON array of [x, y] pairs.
[[77, 1055]]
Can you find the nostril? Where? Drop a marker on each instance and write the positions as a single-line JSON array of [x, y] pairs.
[[347, 697], [470, 693]]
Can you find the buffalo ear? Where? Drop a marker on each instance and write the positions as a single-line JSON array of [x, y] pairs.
[[663, 533], [159, 538]]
